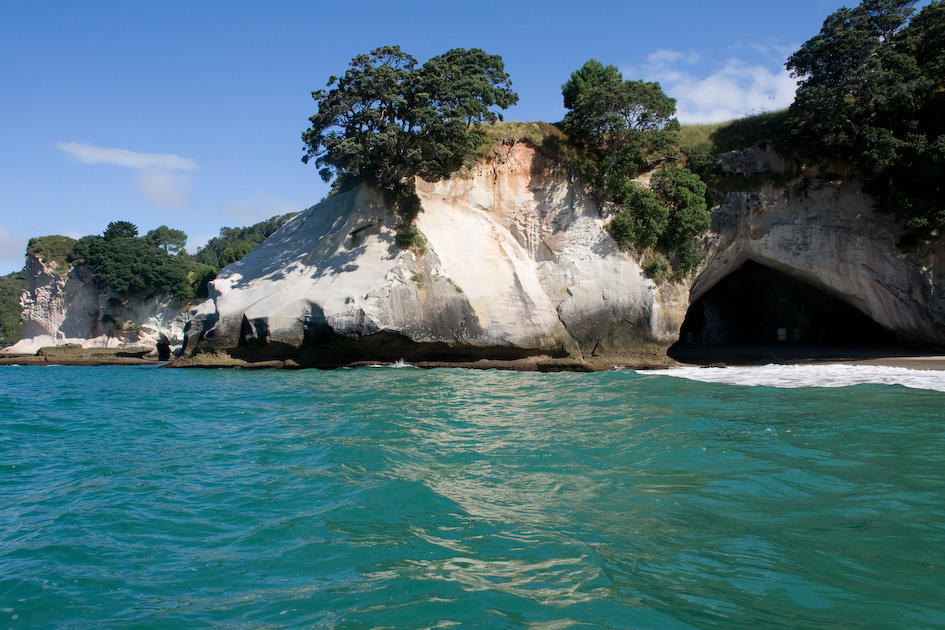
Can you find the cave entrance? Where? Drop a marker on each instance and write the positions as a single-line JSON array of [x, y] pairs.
[[756, 313]]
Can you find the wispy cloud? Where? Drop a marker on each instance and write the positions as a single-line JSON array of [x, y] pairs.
[[166, 189], [737, 89], [160, 179], [91, 154]]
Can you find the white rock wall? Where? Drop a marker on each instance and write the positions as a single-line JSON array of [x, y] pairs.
[[69, 309]]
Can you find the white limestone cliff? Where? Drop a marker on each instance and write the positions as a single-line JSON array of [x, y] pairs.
[[517, 263], [829, 235], [69, 309]]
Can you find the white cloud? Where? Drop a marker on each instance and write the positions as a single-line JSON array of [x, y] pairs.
[[160, 179], [166, 189], [736, 90], [91, 154]]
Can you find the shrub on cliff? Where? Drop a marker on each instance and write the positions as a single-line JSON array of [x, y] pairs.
[[619, 125], [386, 120], [665, 216], [53, 250]]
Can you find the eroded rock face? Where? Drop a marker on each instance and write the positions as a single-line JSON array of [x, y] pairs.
[[828, 234], [517, 263], [68, 309]]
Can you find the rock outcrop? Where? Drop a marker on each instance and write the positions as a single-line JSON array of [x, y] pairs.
[[64, 309], [518, 269], [517, 264], [828, 235]]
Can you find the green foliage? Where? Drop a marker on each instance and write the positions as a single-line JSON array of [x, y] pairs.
[[124, 264], [701, 160], [128, 265], [641, 220], [120, 229], [53, 250], [657, 268], [387, 120], [170, 240], [665, 217], [12, 287], [234, 243], [688, 258], [617, 125], [769, 127], [683, 193], [873, 93], [409, 236]]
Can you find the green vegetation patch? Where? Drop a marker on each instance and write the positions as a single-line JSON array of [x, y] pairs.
[[388, 120], [11, 323], [548, 138], [53, 250], [620, 129]]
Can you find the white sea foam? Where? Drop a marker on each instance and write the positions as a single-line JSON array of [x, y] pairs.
[[399, 363], [831, 375]]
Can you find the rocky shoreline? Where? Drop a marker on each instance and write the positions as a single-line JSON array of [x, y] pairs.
[[74, 354], [646, 358]]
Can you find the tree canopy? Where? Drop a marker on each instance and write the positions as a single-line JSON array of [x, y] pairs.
[[387, 120], [170, 240], [121, 262], [619, 124], [872, 91]]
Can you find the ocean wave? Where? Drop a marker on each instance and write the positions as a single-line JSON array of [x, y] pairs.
[[791, 376]]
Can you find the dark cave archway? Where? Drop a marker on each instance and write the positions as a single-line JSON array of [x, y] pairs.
[[774, 314]]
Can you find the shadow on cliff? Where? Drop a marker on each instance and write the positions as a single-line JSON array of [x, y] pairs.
[[316, 245]]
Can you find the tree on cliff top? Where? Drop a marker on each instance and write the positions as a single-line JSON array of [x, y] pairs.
[[618, 124], [618, 127], [872, 91], [387, 120]]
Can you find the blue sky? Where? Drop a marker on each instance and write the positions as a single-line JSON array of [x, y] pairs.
[[190, 113]]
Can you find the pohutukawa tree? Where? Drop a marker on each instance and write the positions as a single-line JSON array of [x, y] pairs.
[[621, 128], [872, 91], [619, 124], [387, 120]]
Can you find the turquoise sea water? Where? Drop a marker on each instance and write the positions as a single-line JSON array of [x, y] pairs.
[[401, 498]]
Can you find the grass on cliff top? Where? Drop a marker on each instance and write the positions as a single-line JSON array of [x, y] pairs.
[[541, 135], [52, 249], [714, 138], [745, 132]]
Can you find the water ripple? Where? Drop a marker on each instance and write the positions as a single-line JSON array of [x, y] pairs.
[[431, 499]]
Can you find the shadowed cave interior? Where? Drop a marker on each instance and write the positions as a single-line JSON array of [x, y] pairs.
[[759, 314]]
